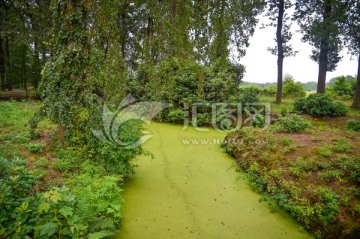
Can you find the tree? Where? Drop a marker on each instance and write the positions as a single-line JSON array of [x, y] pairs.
[[277, 13], [320, 22], [352, 38], [292, 89]]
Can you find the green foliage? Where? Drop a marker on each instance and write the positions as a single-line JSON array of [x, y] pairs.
[[176, 116], [342, 88], [258, 121], [292, 89], [35, 147], [42, 163], [247, 97], [319, 105], [292, 124], [330, 175], [91, 208], [203, 119], [16, 194], [330, 206], [255, 174], [270, 91], [353, 125], [251, 89], [355, 173], [342, 146], [325, 151]]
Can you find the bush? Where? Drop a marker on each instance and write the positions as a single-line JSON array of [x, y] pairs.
[[292, 124], [253, 89], [248, 97], [319, 105], [270, 91], [293, 89], [353, 125], [176, 116], [203, 119], [341, 88], [89, 209]]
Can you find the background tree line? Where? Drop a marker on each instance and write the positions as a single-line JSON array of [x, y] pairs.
[[141, 34]]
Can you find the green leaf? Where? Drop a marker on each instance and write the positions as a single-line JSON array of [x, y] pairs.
[[100, 234], [52, 195], [44, 206], [47, 229], [66, 211]]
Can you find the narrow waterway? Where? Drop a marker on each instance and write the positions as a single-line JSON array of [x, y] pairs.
[[192, 190]]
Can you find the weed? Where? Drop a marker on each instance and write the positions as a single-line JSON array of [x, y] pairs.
[[292, 124], [330, 175], [341, 146], [276, 173], [288, 149], [35, 147], [330, 207], [295, 171], [325, 151], [357, 209], [316, 139], [42, 163], [353, 125], [286, 141], [324, 165]]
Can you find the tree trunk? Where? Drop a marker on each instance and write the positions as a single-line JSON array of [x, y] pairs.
[[8, 71], [323, 63], [2, 63], [324, 50], [23, 66], [279, 41], [36, 65], [356, 103]]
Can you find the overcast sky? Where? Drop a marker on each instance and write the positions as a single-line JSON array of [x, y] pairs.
[[261, 65]]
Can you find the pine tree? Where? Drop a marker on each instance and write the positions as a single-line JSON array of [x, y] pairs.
[[320, 22]]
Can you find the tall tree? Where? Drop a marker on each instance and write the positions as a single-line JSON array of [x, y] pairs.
[[320, 22], [66, 92], [280, 19], [352, 39]]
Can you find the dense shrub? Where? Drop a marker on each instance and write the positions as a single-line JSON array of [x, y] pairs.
[[342, 88], [176, 116], [292, 124], [248, 97], [319, 105], [353, 125], [203, 119], [270, 91], [251, 88], [293, 89], [179, 81], [89, 209]]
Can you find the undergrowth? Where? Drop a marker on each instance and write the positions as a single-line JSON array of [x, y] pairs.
[[51, 189]]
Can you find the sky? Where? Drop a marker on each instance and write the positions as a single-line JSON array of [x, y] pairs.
[[261, 65]]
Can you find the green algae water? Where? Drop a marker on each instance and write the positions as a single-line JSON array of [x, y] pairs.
[[190, 189]]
